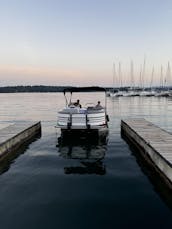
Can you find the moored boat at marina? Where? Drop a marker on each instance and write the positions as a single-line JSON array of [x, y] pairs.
[[162, 94]]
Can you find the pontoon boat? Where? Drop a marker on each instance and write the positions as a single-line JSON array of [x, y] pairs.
[[83, 122]]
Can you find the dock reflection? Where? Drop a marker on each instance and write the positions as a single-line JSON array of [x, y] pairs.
[[8, 159], [161, 187], [89, 158]]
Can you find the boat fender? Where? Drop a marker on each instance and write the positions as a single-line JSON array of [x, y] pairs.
[[69, 125], [107, 118], [88, 126]]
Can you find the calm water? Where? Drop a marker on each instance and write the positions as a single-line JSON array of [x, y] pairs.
[[45, 188]]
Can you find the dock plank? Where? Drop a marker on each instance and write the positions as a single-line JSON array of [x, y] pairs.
[[154, 142], [14, 136]]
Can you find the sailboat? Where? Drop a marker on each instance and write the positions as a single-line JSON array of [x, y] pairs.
[[131, 91], [113, 92], [117, 80], [161, 91], [151, 92], [168, 79], [142, 80], [165, 84]]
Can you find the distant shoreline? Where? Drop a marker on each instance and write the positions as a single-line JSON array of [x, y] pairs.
[[30, 89], [42, 88]]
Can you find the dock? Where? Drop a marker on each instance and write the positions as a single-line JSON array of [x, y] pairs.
[[154, 144], [15, 136]]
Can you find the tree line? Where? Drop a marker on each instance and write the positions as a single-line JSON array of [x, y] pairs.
[[40, 88]]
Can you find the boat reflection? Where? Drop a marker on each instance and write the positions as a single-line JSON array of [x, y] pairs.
[[90, 158]]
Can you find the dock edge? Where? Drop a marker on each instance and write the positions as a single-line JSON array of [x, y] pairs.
[[13, 143], [160, 165]]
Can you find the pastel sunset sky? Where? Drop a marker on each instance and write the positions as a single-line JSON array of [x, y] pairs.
[[76, 42]]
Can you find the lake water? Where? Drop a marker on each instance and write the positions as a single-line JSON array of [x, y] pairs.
[[42, 188]]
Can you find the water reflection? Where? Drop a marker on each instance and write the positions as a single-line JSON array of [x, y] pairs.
[[89, 158], [161, 186], [9, 158]]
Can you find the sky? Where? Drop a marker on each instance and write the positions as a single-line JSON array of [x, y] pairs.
[[77, 42]]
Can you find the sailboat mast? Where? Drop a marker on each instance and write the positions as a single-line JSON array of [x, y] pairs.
[[114, 76], [143, 73], [168, 76], [140, 76], [161, 78], [120, 75], [152, 75], [132, 74]]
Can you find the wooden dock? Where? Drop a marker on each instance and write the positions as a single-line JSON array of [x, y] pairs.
[[154, 143], [15, 136]]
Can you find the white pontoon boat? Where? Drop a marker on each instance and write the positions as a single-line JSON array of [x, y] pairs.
[[83, 122]]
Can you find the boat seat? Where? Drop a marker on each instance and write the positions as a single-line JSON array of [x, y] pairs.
[[70, 110], [73, 110], [92, 111]]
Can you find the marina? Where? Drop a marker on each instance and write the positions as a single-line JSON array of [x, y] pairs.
[[133, 92], [141, 83], [85, 115]]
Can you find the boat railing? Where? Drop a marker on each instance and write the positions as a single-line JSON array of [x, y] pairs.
[[77, 110], [83, 118]]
